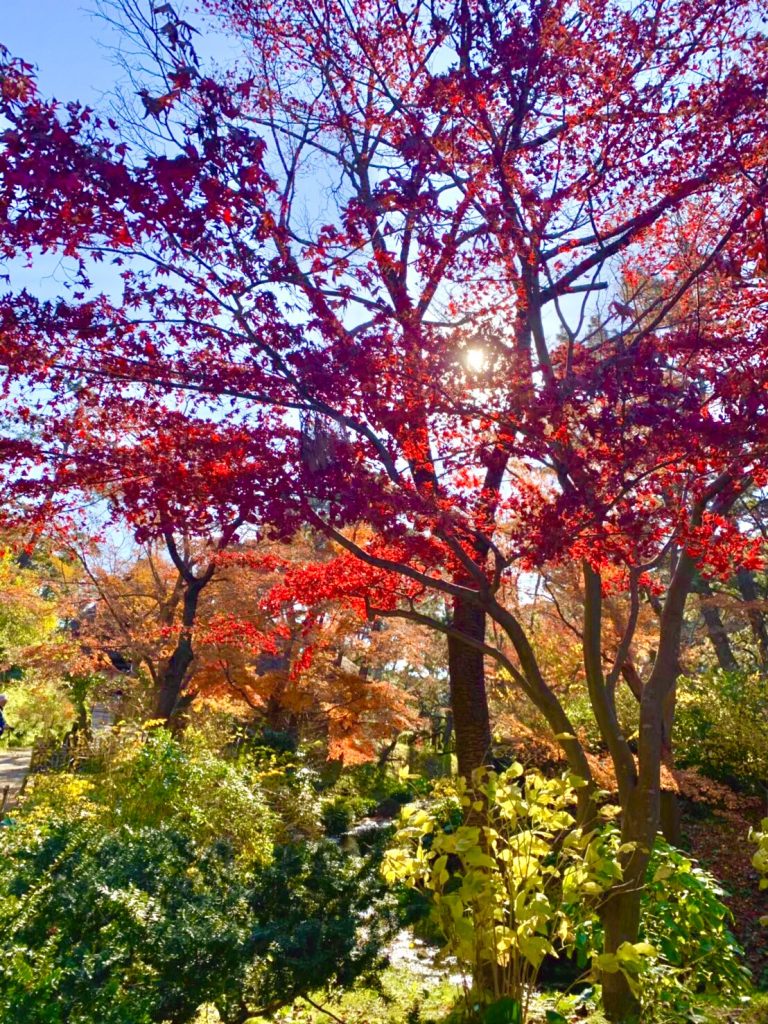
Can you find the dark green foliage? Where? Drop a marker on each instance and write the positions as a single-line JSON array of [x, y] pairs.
[[136, 896], [339, 814], [132, 926], [503, 1011], [117, 926], [322, 916], [276, 741]]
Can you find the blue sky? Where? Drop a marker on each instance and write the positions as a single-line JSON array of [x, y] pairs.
[[65, 41], [60, 38]]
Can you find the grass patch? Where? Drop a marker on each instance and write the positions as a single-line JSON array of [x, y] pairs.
[[753, 1010], [399, 998]]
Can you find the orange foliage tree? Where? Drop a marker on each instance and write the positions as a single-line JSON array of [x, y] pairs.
[[319, 673]]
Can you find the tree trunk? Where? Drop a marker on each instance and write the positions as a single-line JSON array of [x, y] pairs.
[[172, 680], [621, 911], [669, 805], [748, 589], [386, 752], [621, 922], [174, 675], [716, 631], [469, 701], [670, 821], [642, 806]]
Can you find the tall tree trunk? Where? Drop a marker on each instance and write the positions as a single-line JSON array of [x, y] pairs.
[[746, 583], [469, 700], [640, 820], [669, 805], [621, 922], [642, 807], [466, 664], [716, 631]]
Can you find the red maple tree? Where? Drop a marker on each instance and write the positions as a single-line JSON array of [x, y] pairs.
[[361, 281]]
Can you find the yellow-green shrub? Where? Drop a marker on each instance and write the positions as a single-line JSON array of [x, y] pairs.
[[38, 709], [511, 879], [510, 875], [760, 859], [152, 778]]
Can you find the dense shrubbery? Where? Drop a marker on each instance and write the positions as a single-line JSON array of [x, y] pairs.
[[117, 925], [135, 895], [684, 917], [721, 726], [38, 709], [186, 785], [363, 789], [686, 929], [321, 916], [528, 884], [339, 813]]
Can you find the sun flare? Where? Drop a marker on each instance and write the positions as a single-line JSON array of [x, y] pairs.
[[476, 359]]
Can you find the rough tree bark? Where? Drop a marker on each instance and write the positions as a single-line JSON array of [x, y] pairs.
[[469, 700]]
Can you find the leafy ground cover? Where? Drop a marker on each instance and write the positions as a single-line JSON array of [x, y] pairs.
[[404, 997], [710, 835]]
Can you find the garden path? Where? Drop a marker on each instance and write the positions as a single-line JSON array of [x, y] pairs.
[[14, 765]]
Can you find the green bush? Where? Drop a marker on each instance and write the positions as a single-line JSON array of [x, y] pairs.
[[139, 925], [510, 879], [341, 812], [38, 709], [361, 789], [686, 945], [721, 726], [125, 925], [289, 788], [684, 918], [120, 910], [322, 917], [155, 778]]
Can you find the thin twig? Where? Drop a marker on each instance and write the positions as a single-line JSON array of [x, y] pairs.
[[322, 1009]]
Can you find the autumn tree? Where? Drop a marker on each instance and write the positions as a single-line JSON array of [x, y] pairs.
[[318, 673], [312, 668], [140, 612], [486, 170]]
